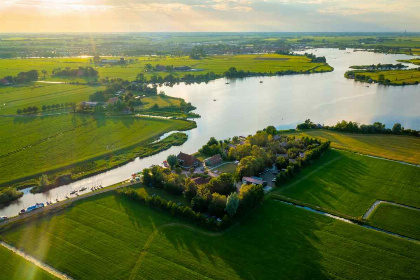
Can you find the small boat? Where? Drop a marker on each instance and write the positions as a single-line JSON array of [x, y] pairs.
[[73, 192], [67, 197], [82, 189], [57, 200], [214, 99], [261, 82], [227, 83], [77, 194]]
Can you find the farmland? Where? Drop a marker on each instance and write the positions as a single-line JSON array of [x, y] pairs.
[[111, 236], [52, 142], [262, 63], [415, 61], [395, 77], [38, 94], [352, 183], [396, 147], [397, 219], [14, 267]]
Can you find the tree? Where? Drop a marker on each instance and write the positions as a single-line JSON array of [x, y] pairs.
[[381, 78], [199, 203], [19, 111], [190, 189], [96, 59], [281, 162], [217, 205], [172, 160], [44, 72], [397, 128], [43, 181], [250, 195], [232, 204], [224, 184]]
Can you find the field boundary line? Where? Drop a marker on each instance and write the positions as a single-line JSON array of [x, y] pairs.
[[376, 204], [377, 157], [310, 173], [36, 262]]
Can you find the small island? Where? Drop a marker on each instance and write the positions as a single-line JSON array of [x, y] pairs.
[[386, 74]]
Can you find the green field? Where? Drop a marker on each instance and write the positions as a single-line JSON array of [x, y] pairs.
[[396, 147], [262, 63], [349, 183], [38, 94], [51, 142], [397, 219], [14, 267], [415, 61], [112, 237], [229, 167], [396, 77]]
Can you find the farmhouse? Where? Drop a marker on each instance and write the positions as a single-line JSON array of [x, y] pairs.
[[214, 160], [89, 104], [252, 180], [112, 100], [187, 161], [201, 180]]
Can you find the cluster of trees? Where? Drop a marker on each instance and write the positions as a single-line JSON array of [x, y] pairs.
[[314, 58], [354, 127], [77, 72], [291, 169], [9, 194], [379, 66], [197, 53], [28, 110], [44, 182], [23, 77], [376, 127]]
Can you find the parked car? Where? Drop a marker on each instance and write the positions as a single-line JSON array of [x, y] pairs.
[[274, 180], [3, 218]]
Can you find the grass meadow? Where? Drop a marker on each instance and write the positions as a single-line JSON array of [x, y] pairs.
[[396, 147], [352, 183], [398, 77], [113, 237], [397, 219], [229, 167], [38, 94], [14, 267], [51, 142], [264, 63]]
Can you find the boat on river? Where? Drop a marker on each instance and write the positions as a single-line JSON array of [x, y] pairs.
[[31, 208]]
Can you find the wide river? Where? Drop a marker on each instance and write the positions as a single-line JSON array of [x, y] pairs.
[[246, 105]]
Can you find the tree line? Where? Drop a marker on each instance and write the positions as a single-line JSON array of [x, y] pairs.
[[354, 127], [23, 77], [35, 109], [77, 72]]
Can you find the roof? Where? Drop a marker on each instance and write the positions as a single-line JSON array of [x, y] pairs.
[[253, 180], [214, 159], [112, 100], [201, 180], [187, 160]]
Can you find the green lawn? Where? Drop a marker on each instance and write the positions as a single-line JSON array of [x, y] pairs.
[[415, 61], [51, 142], [263, 63], [113, 237], [229, 167], [397, 219], [397, 77], [396, 147], [352, 183], [14, 267]]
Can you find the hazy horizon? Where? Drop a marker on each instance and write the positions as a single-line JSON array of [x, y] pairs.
[[99, 16]]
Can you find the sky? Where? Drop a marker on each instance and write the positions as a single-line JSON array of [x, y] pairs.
[[209, 15]]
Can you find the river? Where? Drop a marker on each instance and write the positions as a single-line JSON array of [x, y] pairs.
[[246, 105]]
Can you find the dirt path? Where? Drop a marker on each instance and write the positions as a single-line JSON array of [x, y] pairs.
[[378, 202], [61, 203], [36, 262], [348, 221]]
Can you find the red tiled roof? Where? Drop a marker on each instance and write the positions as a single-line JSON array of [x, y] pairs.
[[187, 160], [214, 159]]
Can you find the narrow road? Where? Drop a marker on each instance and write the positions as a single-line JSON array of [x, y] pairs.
[[378, 202], [63, 202], [36, 262]]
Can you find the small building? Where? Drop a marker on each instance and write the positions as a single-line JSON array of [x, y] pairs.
[[187, 161], [201, 180], [301, 155], [251, 180], [89, 104], [112, 100], [214, 160]]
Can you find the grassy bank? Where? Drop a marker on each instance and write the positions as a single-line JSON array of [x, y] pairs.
[[390, 77], [113, 237], [55, 142], [395, 147], [397, 219], [352, 183]]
